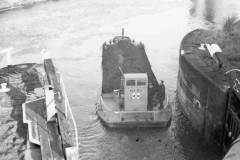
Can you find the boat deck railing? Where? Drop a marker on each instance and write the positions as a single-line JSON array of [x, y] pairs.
[[69, 116], [234, 152], [148, 114]]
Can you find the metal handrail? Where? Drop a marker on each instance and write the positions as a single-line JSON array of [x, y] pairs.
[[120, 112], [231, 70], [103, 103], [158, 111]]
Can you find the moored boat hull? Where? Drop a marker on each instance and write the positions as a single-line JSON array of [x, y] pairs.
[[144, 119], [204, 113], [131, 95]]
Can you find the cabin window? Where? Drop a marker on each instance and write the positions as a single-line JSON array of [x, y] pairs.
[[141, 82], [130, 83]]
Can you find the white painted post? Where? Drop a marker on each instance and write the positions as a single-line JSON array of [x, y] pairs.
[[71, 153], [50, 102], [45, 54], [120, 116]]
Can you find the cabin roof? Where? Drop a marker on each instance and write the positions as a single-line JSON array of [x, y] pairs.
[[135, 75]]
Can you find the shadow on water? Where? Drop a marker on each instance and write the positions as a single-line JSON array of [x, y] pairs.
[[131, 144], [194, 145], [179, 141], [134, 130]]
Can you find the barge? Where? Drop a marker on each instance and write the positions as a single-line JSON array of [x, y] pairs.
[[36, 119], [208, 86], [131, 95]]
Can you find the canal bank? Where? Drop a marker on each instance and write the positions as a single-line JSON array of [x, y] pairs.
[[208, 84], [73, 31]]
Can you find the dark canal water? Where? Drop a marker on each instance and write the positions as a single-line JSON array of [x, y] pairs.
[[73, 32]]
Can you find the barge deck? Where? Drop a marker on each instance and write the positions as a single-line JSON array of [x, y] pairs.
[[131, 95], [36, 119]]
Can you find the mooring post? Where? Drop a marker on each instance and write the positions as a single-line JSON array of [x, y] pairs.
[[122, 33], [154, 115]]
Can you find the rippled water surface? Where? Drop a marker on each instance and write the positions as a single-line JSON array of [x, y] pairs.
[[73, 31]]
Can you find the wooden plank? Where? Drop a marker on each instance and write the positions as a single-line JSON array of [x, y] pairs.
[[55, 141], [60, 102], [53, 80], [45, 143], [64, 129], [33, 133], [35, 112], [50, 142]]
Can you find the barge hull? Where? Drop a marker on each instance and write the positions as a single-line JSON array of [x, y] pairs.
[[196, 96], [131, 95], [131, 124]]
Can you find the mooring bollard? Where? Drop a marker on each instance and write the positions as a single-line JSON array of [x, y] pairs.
[[4, 88]]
